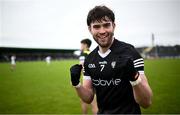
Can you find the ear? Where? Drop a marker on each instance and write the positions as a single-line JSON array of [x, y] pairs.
[[114, 25], [89, 28]]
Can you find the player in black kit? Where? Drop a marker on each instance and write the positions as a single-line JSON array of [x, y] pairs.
[[114, 71]]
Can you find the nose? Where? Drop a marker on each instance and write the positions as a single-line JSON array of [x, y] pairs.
[[102, 30]]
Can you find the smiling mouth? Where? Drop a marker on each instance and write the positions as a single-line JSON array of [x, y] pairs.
[[103, 37]]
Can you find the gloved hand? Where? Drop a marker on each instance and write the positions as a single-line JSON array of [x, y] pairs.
[[131, 72], [75, 71]]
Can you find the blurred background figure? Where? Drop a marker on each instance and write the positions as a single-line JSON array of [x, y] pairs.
[[85, 51], [85, 45], [13, 62], [48, 60]]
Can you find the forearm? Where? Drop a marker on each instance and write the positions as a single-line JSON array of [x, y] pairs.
[[85, 94], [143, 93], [85, 91]]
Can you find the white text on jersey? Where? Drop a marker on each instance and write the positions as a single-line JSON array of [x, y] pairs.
[[102, 82]]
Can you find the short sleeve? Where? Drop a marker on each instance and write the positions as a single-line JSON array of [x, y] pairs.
[[86, 74], [138, 61]]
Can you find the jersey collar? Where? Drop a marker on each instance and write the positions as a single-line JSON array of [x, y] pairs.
[[103, 55]]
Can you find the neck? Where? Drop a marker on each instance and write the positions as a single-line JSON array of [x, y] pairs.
[[104, 49]]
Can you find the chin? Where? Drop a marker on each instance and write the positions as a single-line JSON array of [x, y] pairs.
[[104, 45]]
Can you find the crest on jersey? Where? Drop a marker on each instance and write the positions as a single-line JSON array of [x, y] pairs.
[[91, 66], [113, 64]]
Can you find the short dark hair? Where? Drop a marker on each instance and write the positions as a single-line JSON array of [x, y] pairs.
[[98, 13], [86, 41]]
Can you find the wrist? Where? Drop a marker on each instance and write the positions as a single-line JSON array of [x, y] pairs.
[[75, 81], [78, 85], [134, 83]]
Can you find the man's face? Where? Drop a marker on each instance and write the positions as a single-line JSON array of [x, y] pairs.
[[102, 32], [83, 46]]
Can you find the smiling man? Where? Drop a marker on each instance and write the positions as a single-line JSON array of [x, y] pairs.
[[114, 70]]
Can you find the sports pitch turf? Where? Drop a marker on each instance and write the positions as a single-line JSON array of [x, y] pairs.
[[35, 87]]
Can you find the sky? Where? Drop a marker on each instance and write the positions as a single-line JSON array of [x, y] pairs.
[[61, 24]]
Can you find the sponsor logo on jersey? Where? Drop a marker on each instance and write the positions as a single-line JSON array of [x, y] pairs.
[[103, 62], [91, 66], [113, 64], [102, 82]]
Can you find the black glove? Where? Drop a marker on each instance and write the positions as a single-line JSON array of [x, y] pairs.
[[131, 72], [75, 71]]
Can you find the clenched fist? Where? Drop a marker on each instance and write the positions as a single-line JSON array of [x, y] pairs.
[[75, 71]]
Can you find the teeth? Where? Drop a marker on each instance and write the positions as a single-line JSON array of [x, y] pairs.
[[103, 36]]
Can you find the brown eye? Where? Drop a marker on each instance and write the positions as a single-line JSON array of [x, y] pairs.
[[96, 26], [106, 25]]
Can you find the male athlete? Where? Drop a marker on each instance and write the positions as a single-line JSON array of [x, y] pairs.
[[114, 70]]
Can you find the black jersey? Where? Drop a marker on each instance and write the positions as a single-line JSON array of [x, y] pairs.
[[113, 89]]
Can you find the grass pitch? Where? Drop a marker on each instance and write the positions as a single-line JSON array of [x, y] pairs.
[[37, 88]]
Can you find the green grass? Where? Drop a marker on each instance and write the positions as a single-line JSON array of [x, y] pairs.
[[35, 87], [164, 79]]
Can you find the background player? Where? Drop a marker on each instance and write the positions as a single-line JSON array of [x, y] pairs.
[[13, 62], [48, 60], [85, 50]]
